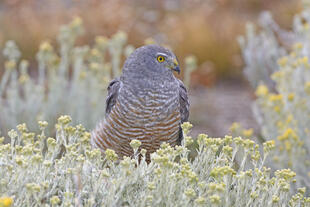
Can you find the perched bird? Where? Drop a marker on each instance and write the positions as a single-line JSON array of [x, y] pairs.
[[147, 102]]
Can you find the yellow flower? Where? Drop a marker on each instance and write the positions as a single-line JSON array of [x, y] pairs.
[[269, 145], [277, 75], [302, 190], [303, 60], [247, 133], [55, 200], [23, 79], [286, 174], [275, 199], [227, 150], [275, 97], [101, 41], [95, 53], [111, 155], [189, 192], [10, 64], [307, 87], [248, 144], [149, 198], [94, 67], [216, 187], [293, 54], [135, 144], [254, 195], [201, 138], [42, 124], [82, 75], [76, 22], [297, 46], [289, 119], [261, 90], [235, 127], [289, 133], [288, 146], [64, 120], [46, 46], [6, 202], [215, 199], [291, 96], [283, 61], [120, 37], [188, 140], [201, 200], [1, 140], [279, 124], [277, 109], [186, 127], [222, 171]]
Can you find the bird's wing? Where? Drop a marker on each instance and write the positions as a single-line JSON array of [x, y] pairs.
[[184, 102], [113, 89], [184, 108]]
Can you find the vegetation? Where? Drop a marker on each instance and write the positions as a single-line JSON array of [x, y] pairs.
[[48, 160], [69, 172], [282, 107], [70, 80]]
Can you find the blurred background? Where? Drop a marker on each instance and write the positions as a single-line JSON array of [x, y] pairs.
[[208, 29]]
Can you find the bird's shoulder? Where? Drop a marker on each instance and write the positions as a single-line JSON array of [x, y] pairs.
[[113, 91], [184, 101]]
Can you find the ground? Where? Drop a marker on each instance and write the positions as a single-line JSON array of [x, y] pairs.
[[214, 109]]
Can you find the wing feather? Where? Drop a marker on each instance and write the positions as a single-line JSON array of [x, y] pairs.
[[184, 102], [184, 108], [113, 90]]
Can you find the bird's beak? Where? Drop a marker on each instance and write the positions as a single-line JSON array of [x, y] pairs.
[[176, 66]]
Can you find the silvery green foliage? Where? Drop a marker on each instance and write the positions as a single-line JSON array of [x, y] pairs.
[[70, 80], [68, 172], [284, 115], [282, 110], [261, 49]]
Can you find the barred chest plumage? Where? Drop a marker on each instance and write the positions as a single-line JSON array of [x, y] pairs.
[[148, 114]]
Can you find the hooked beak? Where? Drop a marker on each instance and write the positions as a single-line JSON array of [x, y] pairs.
[[176, 66]]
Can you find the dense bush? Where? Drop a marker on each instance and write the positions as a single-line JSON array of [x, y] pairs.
[[68, 172], [277, 63], [72, 80]]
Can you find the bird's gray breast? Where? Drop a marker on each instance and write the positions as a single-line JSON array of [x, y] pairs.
[[149, 105], [151, 111]]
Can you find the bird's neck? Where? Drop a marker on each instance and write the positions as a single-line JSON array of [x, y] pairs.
[[148, 80]]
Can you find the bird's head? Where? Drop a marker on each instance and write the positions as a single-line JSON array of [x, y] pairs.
[[168, 60], [151, 61]]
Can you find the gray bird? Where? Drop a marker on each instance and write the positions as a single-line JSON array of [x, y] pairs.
[[147, 102]]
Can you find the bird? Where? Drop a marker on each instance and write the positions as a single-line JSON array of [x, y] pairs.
[[146, 103]]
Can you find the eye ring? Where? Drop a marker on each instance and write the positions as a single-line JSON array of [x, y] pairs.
[[160, 58]]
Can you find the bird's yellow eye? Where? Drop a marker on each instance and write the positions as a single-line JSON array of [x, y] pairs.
[[160, 58]]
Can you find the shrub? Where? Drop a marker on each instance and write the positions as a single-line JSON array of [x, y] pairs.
[[71, 80], [260, 51], [67, 172], [282, 107]]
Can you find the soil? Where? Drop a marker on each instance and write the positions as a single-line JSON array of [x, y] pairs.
[[214, 109]]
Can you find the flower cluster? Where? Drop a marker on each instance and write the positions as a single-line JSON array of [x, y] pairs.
[[282, 107], [37, 170]]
